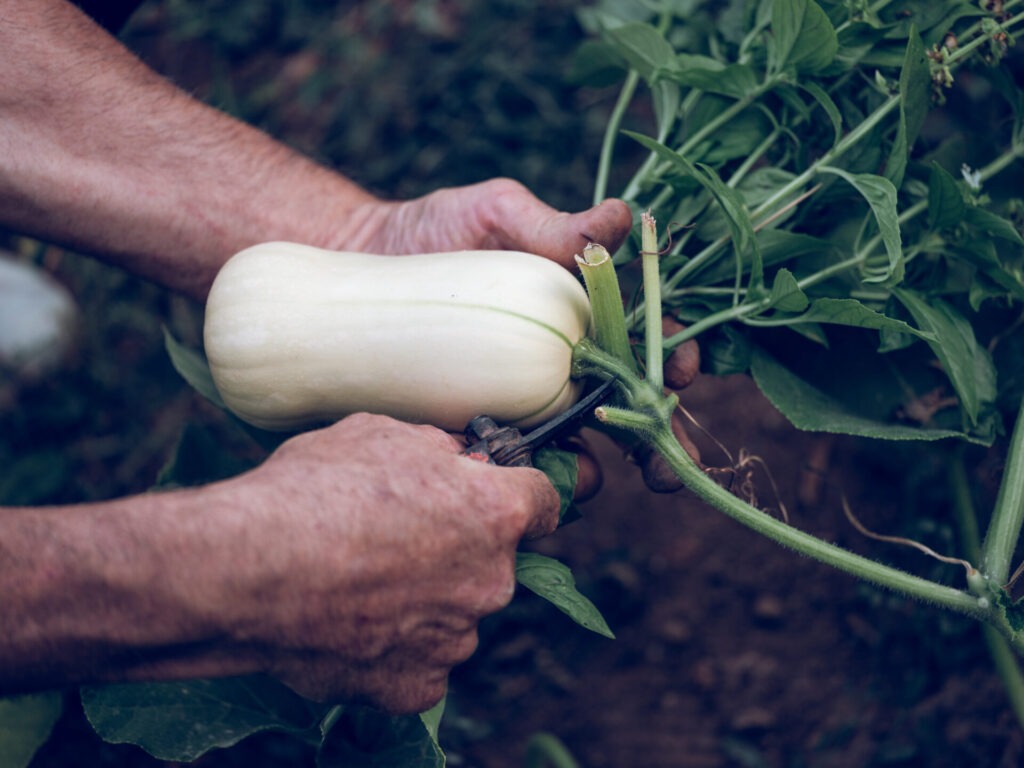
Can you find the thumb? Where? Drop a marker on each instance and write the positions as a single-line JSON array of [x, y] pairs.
[[559, 236]]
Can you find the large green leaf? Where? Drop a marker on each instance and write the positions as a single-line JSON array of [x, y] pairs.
[[25, 725], [993, 224], [967, 364], [729, 200], [554, 582], [712, 76], [946, 206], [847, 312], [643, 48], [915, 95], [802, 35], [808, 407], [561, 469], [880, 195], [183, 720]]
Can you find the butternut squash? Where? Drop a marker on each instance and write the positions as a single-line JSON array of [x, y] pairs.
[[297, 336]]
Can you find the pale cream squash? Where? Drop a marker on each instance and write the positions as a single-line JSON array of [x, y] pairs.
[[296, 336]]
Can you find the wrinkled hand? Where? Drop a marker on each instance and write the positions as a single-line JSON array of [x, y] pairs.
[[498, 214], [377, 549]]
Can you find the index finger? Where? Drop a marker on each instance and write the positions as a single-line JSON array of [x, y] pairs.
[[542, 498]]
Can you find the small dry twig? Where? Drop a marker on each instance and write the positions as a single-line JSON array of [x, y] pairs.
[[862, 529]]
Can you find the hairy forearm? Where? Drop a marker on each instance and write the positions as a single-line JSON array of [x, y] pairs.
[[100, 153], [114, 591]]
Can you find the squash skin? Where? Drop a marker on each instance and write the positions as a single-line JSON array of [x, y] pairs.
[[298, 336]]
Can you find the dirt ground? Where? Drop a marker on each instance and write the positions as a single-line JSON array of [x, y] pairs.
[[730, 650]]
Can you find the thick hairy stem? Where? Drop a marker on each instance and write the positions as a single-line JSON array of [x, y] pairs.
[[967, 522], [1004, 528], [709, 491]]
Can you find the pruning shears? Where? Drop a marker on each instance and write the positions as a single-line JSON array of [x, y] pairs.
[[508, 447]]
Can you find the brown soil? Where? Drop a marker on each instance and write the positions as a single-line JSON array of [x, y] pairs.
[[730, 650]]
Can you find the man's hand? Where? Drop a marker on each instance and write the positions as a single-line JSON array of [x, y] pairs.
[[498, 214], [354, 565], [102, 154], [397, 546]]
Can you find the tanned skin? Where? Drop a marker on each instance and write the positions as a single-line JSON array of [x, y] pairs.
[[355, 563]]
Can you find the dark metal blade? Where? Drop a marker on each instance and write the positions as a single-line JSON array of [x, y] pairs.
[[552, 429]]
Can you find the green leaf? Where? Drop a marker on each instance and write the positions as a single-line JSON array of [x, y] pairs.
[[915, 94], [946, 206], [776, 246], [725, 351], [367, 738], [967, 364], [736, 139], [182, 720], [729, 199], [852, 313], [665, 96], [786, 295], [803, 37], [880, 195], [995, 280], [712, 76], [809, 408], [993, 224], [25, 725], [193, 369], [643, 48], [561, 468], [432, 719], [596, 64], [828, 105], [553, 581], [756, 187]]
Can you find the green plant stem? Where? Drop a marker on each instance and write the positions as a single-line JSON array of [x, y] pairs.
[[753, 158], [709, 128], [648, 412], [967, 523], [729, 314], [611, 133], [659, 434], [652, 299], [984, 174], [609, 317], [841, 147], [633, 187], [1008, 669], [712, 493], [1008, 515]]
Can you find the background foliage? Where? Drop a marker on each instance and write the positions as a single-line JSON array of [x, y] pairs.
[[406, 97]]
